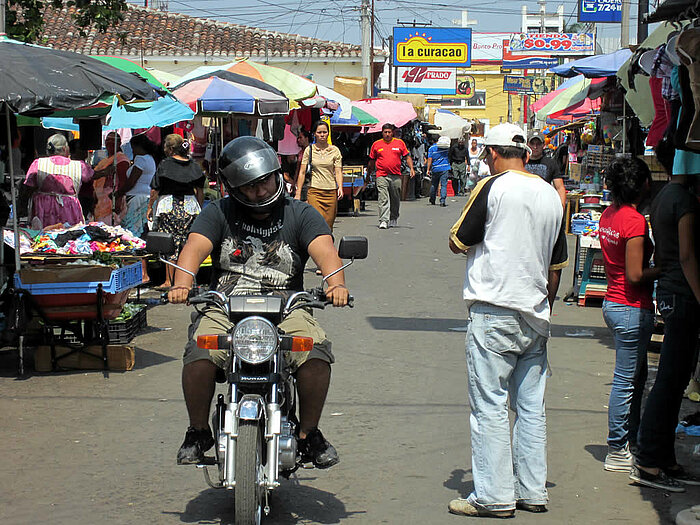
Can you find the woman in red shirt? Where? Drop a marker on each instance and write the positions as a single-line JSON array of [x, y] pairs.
[[627, 308]]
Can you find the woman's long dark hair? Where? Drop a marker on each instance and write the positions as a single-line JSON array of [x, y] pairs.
[[625, 179], [146, 144]]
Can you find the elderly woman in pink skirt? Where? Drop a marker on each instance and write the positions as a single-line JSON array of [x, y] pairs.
[[54, 183]]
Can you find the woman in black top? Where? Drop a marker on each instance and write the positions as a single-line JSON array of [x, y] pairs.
[[177, 192], [675, 222]]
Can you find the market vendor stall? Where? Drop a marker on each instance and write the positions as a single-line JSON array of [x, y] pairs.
[[38, 81], [76, 280]]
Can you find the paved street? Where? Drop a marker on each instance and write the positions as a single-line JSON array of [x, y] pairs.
[[82, 449]]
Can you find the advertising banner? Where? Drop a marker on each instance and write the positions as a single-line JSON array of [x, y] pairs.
[[511, 61], [466, 87], [600, 11], [527, 85], [432, 46], [426, 80], [553, 43], [488, 47]]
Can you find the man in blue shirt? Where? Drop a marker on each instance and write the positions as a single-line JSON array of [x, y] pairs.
[[438, 168]]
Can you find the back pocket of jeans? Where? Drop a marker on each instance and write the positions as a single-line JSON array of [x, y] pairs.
[[502, 334]]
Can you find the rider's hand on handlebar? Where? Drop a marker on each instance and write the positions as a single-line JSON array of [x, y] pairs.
[[178, 294], [338, 294]]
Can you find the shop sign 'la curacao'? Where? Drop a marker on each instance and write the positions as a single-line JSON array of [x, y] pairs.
[[432, 46]]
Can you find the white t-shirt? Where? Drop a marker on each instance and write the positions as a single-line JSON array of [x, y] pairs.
[[148, 168], [512, 227]]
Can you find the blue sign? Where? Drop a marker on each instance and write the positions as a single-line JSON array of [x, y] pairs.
[[432, 46], [530, 63], [528, 85], [600, 11]]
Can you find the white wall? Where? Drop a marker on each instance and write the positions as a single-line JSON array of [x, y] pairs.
[[322, 70]]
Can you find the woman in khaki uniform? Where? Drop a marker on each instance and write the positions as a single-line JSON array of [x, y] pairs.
[[326, 186]]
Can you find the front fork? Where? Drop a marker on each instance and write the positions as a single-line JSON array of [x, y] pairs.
[[250, 408]]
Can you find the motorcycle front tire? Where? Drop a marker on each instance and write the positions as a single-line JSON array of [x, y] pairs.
[[249, 474]]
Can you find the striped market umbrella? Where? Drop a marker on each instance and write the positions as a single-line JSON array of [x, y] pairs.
[[294, 87], [571, 95], [224, 92]]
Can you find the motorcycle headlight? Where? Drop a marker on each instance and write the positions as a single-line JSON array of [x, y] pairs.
[[255, 340]]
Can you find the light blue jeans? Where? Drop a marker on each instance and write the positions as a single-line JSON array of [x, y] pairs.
[[506, 358], [631, 328]]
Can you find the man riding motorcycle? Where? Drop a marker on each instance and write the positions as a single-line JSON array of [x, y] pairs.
[[259, 240]]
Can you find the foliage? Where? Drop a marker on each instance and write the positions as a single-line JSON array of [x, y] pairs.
[[24, 18]]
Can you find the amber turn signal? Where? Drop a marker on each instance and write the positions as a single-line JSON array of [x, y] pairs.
[[208, 342], [302, 344]]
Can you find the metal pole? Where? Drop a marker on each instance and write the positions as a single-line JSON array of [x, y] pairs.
[[642, 26], [2, 17], [371, 51], [391, 58], [13, 190], [624, 124], [510, 107]]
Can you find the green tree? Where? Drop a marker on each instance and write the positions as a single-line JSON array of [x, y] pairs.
[[24, 19]]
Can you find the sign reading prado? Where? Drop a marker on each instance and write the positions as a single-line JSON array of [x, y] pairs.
[[426, 80], [432, 46]]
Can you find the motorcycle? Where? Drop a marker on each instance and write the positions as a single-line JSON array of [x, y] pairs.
[[255, 424]]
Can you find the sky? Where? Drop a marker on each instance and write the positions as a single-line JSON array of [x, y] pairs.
[[339, 20]]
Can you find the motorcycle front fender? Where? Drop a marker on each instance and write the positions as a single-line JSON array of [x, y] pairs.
[[250, 408]]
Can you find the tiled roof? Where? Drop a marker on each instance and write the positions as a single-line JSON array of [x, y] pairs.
[[159, 33]]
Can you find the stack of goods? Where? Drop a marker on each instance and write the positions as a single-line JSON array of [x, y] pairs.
[[585, 224], [85, 239]]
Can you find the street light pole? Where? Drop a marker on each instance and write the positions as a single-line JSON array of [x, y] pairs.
[[366, 45]]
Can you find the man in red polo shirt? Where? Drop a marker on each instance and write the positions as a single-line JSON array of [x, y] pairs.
[[385, 156]]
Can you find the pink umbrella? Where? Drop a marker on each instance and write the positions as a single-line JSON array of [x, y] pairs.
[[396, 112], [583, 108]]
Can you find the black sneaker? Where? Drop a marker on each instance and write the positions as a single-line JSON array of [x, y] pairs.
[[314, 448], [682, 475], [197, 442], [657, 481], [530, 507]]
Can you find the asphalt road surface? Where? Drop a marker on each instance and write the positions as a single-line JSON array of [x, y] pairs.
[[84, 449]]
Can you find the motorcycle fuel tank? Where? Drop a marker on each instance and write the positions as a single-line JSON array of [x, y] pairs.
[[267, 306]]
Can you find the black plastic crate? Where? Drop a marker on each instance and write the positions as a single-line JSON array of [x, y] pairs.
[[123, 332]]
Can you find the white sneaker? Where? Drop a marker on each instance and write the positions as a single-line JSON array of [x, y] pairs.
[[619, 460], [392, 223], [383, 225]]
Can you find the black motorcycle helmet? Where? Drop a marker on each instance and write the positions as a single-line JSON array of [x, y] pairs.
[[243, 161]]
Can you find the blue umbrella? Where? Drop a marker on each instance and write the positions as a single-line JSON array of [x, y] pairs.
[[162, 112], [595, 66]]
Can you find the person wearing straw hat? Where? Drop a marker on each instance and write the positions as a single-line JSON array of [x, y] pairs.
[[511, 232]]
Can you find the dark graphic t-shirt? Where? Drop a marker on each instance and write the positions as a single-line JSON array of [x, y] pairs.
[[670, 205], [545, 167], [259, 257]]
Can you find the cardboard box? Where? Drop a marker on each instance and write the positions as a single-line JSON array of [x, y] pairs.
[[119, 357], [351, 87], [61, 273]]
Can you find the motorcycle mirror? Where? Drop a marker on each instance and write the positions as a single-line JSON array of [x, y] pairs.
[[353, 247], [160, 243]]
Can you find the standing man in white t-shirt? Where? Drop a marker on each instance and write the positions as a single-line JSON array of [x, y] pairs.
[[511, 231]]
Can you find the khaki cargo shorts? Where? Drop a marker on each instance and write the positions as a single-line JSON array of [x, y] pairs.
[[299, 322]]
